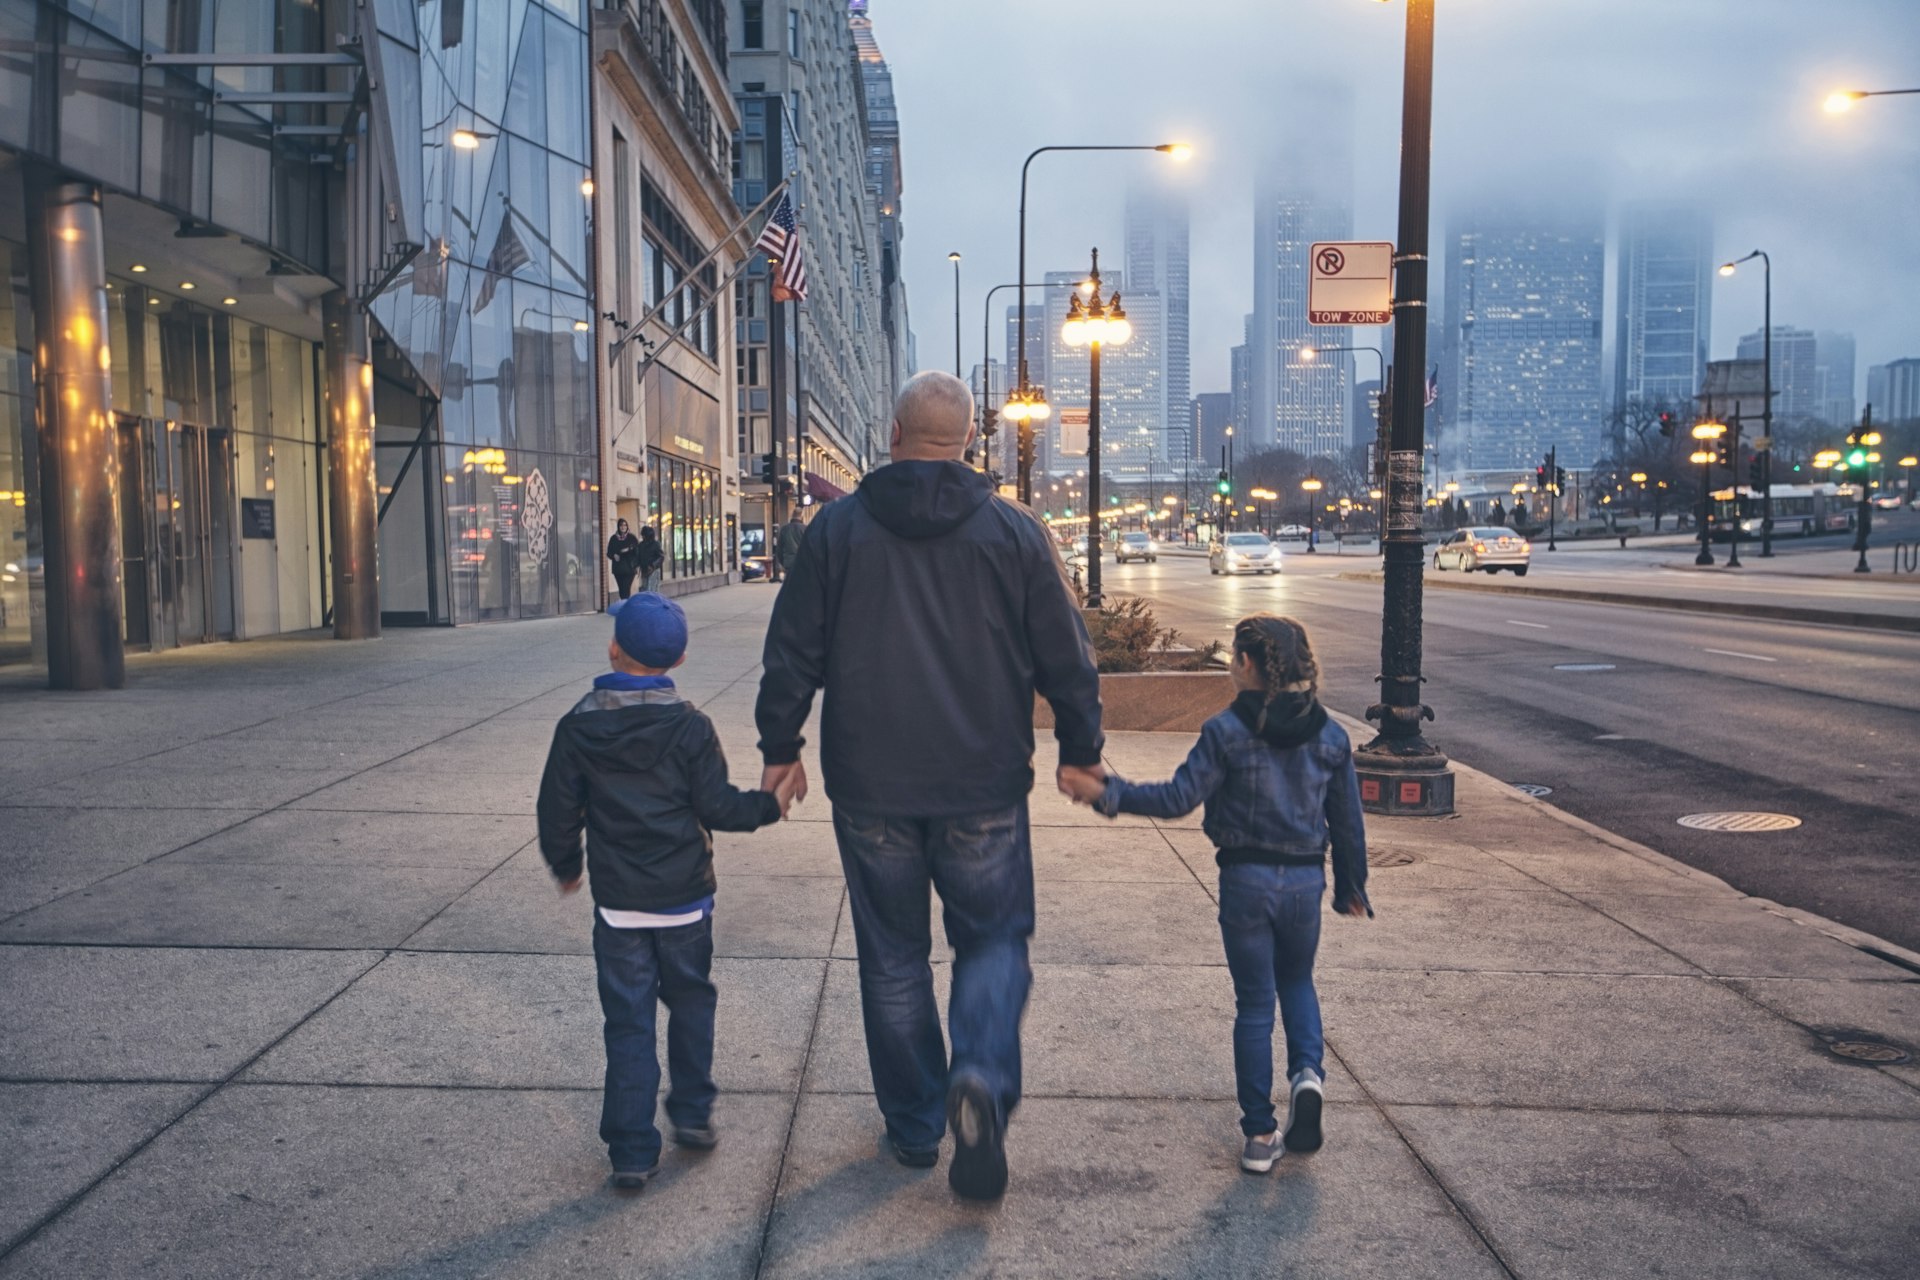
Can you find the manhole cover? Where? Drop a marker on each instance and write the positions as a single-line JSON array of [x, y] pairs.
[[1391, 857], [1740, 822], [1583, 666], [1863, 1046], [1533, 789]]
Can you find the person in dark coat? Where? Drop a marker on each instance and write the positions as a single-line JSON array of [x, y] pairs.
[[787, 549], [931, 610], [623, 553], [653, 558], [1497, 514]]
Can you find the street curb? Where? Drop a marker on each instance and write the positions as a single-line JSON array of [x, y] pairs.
[[1770, 612], [1858, 939]]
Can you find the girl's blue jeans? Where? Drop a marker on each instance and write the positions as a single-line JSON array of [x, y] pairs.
[[1270, 923]]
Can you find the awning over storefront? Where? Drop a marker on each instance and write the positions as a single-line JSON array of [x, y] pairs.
[[822, 490]]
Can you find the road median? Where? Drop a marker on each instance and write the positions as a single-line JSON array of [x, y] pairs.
[[1689, 604]]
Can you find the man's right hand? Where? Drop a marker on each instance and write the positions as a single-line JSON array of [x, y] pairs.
[[1082, 783], [787, 781]]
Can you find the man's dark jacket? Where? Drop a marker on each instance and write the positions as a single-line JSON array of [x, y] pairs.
[[929, 609], [642, 773]]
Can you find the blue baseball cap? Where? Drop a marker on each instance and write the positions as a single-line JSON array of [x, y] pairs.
[[650, 629]]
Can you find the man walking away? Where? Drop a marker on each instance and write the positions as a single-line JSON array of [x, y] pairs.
[[788, 548], [930, 610], [653, 557]]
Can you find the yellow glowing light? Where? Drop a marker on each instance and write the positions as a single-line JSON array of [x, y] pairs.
[[586, 186], [1638, 477], [1700, 455], [187, 285], [1312, 484], [1842, 100], [1176, 150], [1870, 439], [138, 268], [229, 301], [1726, 268], [1910, 461], [581, 326], [1709, 430], [466, 140]]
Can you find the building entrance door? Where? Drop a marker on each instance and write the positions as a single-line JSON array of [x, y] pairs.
[[176, 531]]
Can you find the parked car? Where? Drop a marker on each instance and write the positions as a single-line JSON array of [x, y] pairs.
[[1291, 533], [1243, 553], [1135, 546], [1488, 549], [1890, 501]]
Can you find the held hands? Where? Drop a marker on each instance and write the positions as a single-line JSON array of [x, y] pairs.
[[1083, 784], [569, 886], [787, 782]]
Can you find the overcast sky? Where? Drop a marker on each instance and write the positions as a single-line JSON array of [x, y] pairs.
[[1719, 99]]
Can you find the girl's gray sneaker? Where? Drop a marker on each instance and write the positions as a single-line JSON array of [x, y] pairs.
[[1303, 1111], [1260, 1152]]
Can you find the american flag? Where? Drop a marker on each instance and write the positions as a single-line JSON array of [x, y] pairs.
[[781, 240], [508, 256], [1433, 386]]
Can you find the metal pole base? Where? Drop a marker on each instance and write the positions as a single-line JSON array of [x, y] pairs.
[[1410, 786], [1705, 556]]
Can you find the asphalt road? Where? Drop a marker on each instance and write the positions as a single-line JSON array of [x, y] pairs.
[[1694, 713]]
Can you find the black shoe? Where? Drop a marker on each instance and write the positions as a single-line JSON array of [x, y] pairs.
[[914, 1157], [631, 1179], [979, 1168], [704, 1138]]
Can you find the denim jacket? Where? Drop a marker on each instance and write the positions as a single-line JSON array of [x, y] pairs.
[[1289, 803]]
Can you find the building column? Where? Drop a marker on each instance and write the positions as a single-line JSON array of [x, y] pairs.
[[352, 480], [79, 464]]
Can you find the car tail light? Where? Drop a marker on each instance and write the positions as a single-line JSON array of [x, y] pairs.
[[1480, 547]]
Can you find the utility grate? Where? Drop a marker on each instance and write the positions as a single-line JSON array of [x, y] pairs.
[[1740, 823]]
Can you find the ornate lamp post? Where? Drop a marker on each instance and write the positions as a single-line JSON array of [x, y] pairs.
[[1708, 434], [1313, 486], [1094, 325]]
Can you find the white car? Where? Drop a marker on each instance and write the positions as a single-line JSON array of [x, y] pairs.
[[1243, 553], [1490, 550], [1135, 546]]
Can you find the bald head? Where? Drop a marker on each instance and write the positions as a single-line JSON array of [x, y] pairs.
[[932, 419]]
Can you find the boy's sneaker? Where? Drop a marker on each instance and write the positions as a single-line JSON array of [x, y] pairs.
[[1260, 1152], [1303, 1111], [914, 1157], [704, 1138], [631, 1179], [979, 1168]]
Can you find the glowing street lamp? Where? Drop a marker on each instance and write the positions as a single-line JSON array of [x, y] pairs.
[[1094, 325], [1842, 101], [1312, 485], [1706, 433]]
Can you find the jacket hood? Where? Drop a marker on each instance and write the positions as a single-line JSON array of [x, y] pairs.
[[626, 731], [1291, 719], [924, 499]]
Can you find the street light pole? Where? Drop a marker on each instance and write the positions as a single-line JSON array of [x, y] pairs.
[[954, 258], [1093, 326], [1179, 151], [1400, 771], [1766, 408], [1312, 486]]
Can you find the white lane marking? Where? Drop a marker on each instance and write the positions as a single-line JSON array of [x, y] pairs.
[[1735, 653], [1515, 622]]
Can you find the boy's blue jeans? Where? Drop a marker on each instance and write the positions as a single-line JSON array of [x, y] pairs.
[[641, 969], [1270, 922], [982, 864]]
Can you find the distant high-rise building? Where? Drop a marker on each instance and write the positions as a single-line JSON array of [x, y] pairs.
[[1833, 368], [1156, 232], [1366, 411], [1893, 389], [1305, 195], [1796, 370], [1132, 399], [1525, 293], [1665, 298], [884, 187], [1212, 415], [1240, 379]]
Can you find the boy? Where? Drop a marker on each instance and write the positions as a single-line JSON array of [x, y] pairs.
[[641, 772]]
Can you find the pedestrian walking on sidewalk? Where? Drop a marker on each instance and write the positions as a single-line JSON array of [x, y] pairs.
[[930, 610], [787, 546], [653, 558], [623, 555], [1277, 779], [639, 771]]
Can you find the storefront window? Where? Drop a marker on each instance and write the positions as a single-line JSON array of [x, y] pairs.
[[686, 512]]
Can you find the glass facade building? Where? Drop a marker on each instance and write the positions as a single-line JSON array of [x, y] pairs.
[[228, 177]]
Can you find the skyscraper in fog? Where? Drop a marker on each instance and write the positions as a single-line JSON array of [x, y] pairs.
[[1665, 302], [1305, 195], [1833, 353], [1525, 293], [1797, 384], [1156, 232]]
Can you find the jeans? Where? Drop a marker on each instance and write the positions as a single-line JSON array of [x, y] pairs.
[[651, 581], [1270, 923], [638, 967], [982, 865]]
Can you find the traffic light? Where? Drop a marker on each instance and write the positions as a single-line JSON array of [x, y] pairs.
[[989, 422], [1223, 486], [1723, 453], [1856, 450], [1540, 478], [768, 463], [1757, 470], [1029, 448], [1666, 425], [1559, 479]]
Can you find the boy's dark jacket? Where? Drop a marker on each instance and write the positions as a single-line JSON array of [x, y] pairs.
[[641, 772]]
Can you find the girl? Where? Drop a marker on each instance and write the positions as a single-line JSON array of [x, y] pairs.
[[1277, 779]]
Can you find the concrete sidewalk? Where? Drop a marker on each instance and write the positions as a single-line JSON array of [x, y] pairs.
[[287, 992]]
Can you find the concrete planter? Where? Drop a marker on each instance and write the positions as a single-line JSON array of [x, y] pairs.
[[1155, 701]]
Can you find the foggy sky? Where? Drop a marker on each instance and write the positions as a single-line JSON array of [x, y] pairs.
[[1602, 100]]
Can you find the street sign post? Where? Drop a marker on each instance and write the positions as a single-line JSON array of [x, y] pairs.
[[1350, 282]]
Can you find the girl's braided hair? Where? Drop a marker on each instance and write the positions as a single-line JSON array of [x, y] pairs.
[[1280, 650]]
